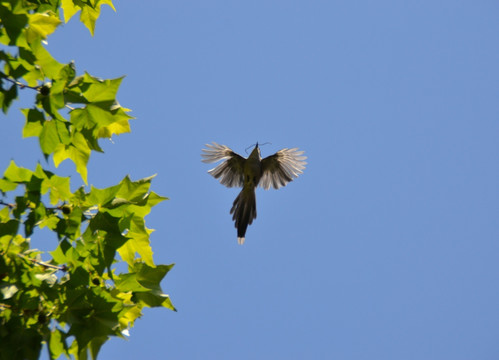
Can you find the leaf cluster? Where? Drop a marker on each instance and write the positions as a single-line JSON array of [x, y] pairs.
[[72, 298], [71, 113]]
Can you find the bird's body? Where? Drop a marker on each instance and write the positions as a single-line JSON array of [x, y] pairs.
[[244, 207], [276, 171]]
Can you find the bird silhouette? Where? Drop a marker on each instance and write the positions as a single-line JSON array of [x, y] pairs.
[[236, 171]]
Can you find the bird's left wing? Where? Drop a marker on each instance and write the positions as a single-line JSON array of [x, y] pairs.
[[281, 168], [230, 172]]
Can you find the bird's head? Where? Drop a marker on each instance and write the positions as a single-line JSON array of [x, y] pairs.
[[255, 153]]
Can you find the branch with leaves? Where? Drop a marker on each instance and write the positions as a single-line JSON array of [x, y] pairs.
[[72, 299]]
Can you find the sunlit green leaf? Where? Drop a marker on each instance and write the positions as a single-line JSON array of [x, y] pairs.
[[134, 190], [120, 125], [58, 186], [41, 25], [89, 14], [17, 174], [4, 215], [49, 221], [128, 282], [59, 254], [69, 9], [56, 343], [103, 196], [48, 64], [101, 90], [137, 243], [6, 185], [78, 151]]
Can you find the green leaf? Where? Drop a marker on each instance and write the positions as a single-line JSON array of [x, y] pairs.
[[96, 344], [88, 17], [78, 151], [69, 9], [119, 126], [90, 14], [70, 227], [34, 122], [59, 254], [67, 73], [103, 196], [6, 97], [14, 23], [4, 217], [50, 221], [128, 282], [150, 278], [52, 134], [21, 342], [138, 243], [29, 223], [6, 185], [134, 190], [49, 138], [57, 344], [103, 237], [58, 186], [99, 90], [49, 66], [17, 174], [41, 25], [95, 314]]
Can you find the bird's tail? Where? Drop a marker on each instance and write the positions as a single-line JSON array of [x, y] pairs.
[[244, 211]]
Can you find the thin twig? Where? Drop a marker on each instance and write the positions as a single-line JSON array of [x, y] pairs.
[[20, 84], [44, 264], [11, 206]]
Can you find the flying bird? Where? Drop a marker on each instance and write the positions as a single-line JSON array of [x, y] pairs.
[[235, 171]]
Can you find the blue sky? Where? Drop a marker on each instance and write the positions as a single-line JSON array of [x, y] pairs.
[[385, 248]]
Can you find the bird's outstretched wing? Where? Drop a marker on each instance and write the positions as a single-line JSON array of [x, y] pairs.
[[281, 168], [230, 172]]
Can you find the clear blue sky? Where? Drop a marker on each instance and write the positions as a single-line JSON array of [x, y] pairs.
[[387, 247]]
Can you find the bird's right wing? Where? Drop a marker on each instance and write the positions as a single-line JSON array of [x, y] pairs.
[[281, 168], [230, 172]]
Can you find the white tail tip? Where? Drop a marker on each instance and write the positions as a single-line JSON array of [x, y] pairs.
[[240, 241]]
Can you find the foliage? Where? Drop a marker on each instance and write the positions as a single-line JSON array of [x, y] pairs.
[[72, 298]]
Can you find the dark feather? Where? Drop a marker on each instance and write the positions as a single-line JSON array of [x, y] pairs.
[[244, 211]]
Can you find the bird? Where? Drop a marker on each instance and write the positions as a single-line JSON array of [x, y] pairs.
[[236, 171]]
